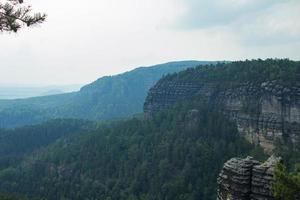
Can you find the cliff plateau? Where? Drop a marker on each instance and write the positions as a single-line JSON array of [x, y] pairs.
[[262, 97]]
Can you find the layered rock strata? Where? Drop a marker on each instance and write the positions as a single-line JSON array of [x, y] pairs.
[[246, 179], [263, 112]]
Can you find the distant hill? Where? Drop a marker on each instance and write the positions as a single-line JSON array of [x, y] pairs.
[[109, 97], [52, 92], [18, 91]]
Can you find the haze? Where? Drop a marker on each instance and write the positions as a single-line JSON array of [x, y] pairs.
[[82, 41]]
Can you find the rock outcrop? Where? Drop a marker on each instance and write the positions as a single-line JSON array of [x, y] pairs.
[[246, 179], [263, 111]]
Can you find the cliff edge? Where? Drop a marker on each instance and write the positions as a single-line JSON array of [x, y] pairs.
[[262, 97]]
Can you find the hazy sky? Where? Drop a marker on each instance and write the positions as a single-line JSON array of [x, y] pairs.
[[84, 40]]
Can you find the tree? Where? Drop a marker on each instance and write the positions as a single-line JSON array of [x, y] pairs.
[[9, 197], [287, 184], [14, 15]]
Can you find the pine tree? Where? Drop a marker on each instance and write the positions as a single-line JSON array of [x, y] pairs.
[[14, 15]]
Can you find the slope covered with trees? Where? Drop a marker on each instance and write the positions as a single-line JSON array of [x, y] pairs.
[[107, 98], [17, 143], [176, 155]]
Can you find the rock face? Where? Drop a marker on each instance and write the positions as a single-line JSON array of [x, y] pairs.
[[246, 179], [164, 95], [263, 112]]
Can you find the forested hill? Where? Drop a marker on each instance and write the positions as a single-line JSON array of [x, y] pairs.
[[107, 98]]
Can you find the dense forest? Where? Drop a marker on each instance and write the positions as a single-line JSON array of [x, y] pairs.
[[230, 74], [17, 143], [175, 155]]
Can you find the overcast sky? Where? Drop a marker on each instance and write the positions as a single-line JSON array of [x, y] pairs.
[[84, 40]]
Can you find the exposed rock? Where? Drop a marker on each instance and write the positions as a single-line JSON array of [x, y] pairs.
[[263, 112], [163, 96], [246, 179]]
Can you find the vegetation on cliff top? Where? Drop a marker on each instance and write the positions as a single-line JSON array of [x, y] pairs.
[[285, 71]]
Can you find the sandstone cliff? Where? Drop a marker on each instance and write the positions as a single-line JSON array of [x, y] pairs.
[[246, 179], [264, 110]]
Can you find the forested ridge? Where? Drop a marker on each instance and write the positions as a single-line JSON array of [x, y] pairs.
[[233, 73]]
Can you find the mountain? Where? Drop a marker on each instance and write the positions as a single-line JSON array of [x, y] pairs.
[[17, 92], [107, 98], [52, 92], [175, 152], [261, 96]]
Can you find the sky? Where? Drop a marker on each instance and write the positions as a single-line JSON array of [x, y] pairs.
[[84, 40]]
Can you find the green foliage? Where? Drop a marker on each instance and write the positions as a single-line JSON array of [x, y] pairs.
[[176, 155], [259, 154], [289, 151], [16, 143], [230, 74], [287, 184], [10, 197]]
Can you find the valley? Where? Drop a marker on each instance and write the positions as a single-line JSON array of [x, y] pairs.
[[149, 100], [194, 121]]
